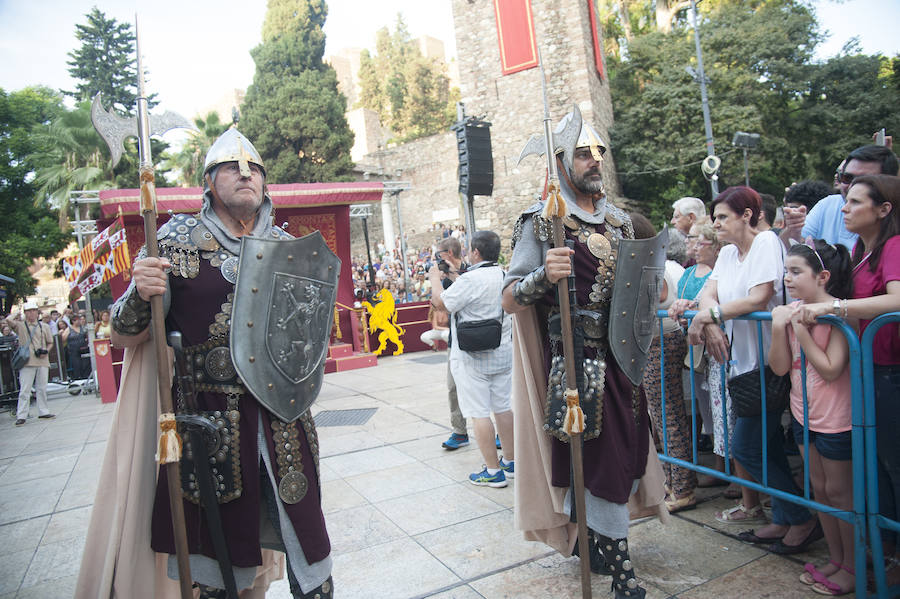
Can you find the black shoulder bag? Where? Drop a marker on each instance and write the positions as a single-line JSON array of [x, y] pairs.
[[479, 335]]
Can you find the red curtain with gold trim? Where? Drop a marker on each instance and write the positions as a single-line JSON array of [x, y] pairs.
[[515, 34]]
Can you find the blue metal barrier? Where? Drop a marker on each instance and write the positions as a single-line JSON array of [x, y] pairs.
[[876, 520], [859, 437]]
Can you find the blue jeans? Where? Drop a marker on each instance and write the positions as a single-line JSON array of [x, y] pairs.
[[748, 451], [887, 423]]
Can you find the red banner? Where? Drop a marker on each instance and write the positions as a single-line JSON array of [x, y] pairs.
[[596, 37], [515, 33]]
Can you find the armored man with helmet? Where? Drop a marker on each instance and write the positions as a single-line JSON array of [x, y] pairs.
[[260, 440], [616, 427]]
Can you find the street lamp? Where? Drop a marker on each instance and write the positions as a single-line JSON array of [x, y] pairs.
[[746, 142]]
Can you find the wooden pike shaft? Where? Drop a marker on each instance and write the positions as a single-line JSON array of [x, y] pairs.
[[158, 329], [565, 314]]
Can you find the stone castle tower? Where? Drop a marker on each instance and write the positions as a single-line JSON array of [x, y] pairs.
[[562, 30]]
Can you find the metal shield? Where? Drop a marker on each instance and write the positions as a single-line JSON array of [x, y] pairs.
[[281, 320], [640, 268]]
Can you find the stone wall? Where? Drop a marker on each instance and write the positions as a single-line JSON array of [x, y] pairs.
[[513, 105]]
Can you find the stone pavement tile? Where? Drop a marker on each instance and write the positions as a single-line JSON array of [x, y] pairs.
[[55, 561], [360, 527], [326, 473], [680, 555], [333, 389], [30, 498], [12, 569], [390, 417], [65, 525], [100, 430], [477, 547], [4, 464], [437, 412], [458, 464], [349, 402], [368, 460], [59, 587], [59, 436], [48, 464], [392, 570], [14, 440], [436, 508], [460, 592], [345, 444], [705, 515], [770, 577], [428, 447], [81, 488], [397, 481], [23, 535], [553, 576], [407, 431], [505, 496], [337, 495]]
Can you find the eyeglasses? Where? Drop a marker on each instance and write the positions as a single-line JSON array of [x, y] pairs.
[[844, 177]]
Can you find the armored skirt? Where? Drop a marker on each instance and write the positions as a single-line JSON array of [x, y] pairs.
[[200, 309]]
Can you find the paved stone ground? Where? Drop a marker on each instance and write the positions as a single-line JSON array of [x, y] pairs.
[[404, 522]]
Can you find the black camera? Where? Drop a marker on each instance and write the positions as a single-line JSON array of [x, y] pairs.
[[443, 266], [40, 353]]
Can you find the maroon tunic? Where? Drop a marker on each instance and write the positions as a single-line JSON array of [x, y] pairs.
[[195, 302], [618, 456]]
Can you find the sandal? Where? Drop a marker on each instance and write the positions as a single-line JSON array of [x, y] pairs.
[[812, 574], [827, 587], [741, 515]]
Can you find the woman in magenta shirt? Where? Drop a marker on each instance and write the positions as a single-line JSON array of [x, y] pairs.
[[872, 210]]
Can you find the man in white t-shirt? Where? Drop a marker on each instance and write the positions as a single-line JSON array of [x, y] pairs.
[[483, 378]]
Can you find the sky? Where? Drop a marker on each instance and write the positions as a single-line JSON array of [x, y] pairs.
[[196, 51]]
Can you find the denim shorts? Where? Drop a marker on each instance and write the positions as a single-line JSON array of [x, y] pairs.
[[833, 446]]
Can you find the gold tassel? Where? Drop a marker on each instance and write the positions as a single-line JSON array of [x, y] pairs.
[[169, 441], [574, 415], [556, 205]]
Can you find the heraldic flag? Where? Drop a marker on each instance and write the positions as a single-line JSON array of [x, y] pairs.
[[102, 259]]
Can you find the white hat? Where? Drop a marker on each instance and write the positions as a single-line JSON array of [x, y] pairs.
[[30, 306]]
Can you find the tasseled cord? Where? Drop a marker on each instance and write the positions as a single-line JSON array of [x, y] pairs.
[[169, 441], [556, 205], [574, 415]]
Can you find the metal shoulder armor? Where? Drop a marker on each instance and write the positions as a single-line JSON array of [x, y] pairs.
[[541, 226]]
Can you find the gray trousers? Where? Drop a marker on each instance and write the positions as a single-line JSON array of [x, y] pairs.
[[457, 422], [36, 376]]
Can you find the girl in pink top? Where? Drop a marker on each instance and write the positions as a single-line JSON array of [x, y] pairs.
[[819, 272], [872, 210]]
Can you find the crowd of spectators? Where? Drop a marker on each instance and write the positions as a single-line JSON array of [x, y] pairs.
[[387, 267]]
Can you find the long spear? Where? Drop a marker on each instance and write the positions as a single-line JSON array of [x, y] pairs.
[[555, 210], [169, 442]]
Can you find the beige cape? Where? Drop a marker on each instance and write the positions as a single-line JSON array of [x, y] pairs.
[[117, 559], [539, 505]]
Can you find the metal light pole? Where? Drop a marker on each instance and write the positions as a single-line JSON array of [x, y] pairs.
[[364, 211], [746, 142], [707, 124]]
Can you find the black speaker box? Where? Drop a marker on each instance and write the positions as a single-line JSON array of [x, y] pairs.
[[476, 165]]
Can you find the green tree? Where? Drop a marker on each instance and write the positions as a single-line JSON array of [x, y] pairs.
[[293, 111], [189, 161], [104, 62], [808, 114], [410, 93], [30, 230]]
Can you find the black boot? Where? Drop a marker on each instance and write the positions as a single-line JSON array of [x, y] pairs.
[[598, 564], [618, 563]]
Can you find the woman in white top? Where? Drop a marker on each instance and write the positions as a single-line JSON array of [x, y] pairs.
[[748, 277]]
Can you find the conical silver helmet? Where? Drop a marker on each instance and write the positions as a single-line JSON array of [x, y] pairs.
[[587, 138], [232, 146]]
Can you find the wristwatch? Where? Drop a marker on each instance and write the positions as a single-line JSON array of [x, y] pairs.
[[836, 307]]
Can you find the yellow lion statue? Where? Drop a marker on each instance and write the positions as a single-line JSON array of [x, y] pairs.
[[383, 316]]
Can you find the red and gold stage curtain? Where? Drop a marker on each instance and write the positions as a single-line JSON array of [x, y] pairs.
[[515, 33], [304, 224]]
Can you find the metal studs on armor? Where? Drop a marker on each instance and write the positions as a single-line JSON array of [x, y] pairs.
[[626, 565], [632, 583], [623, 546]]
